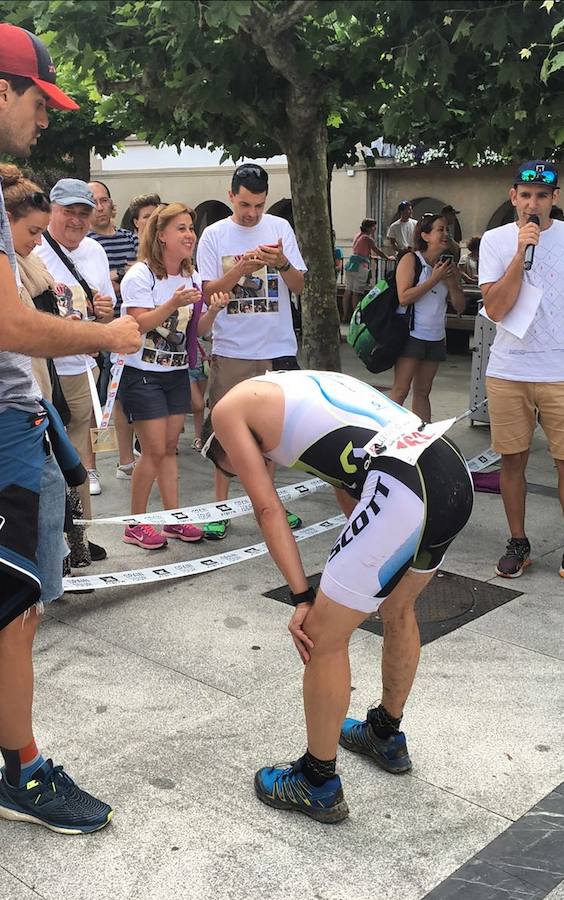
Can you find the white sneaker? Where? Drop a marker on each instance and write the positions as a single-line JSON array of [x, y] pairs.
[[94, 482], [125, 472]]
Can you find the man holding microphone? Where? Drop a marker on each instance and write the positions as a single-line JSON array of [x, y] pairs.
[[522, 264]]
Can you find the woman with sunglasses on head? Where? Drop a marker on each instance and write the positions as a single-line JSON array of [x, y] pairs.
[[163, 292], [424, 298]]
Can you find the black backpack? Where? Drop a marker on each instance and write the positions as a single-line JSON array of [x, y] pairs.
[[377, 333]]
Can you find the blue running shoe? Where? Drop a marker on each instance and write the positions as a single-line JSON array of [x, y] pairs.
[[389, 753], [285, 787], [51, 798]]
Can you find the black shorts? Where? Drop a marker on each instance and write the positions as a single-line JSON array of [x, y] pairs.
[[426, 351], [154, 395]]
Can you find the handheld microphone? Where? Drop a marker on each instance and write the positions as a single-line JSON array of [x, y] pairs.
[[530, 248]]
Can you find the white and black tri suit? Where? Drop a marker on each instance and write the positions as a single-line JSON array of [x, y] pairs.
[[406, 515]]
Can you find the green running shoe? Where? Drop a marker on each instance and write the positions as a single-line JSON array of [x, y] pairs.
[[216, 531], [294, 521]]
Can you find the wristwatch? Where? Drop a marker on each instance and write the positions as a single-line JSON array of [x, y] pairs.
[[285, 267]]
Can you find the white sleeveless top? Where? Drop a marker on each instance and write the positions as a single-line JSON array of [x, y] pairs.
[[430, 309]]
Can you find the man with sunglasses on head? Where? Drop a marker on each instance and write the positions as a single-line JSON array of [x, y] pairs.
[[525, 374], [254, 257], [32, 789]]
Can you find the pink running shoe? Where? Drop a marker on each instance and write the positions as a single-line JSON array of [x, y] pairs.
[[189, 533], [144, 536]]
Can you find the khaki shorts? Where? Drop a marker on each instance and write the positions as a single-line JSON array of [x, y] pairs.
[[512, 407], [226, 372], [357, 282]]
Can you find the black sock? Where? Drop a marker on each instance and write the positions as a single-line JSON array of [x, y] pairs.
[[383, 724], [317, 771], [12, 766]]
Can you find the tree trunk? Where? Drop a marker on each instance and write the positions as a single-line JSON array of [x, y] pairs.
[[306, 150], [82, 162]]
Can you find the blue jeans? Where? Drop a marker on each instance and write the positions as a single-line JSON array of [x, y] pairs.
[[51, 544]]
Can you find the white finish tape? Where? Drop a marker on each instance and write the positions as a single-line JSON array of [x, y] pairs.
[[193, 567], [209, 512], [483, 460]]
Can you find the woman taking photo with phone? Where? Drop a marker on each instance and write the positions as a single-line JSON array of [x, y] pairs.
[[163, 293], [425, 299]]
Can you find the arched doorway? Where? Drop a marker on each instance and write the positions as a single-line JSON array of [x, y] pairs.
[[283, 208], [503, 215], [208, 212], [434, 205]]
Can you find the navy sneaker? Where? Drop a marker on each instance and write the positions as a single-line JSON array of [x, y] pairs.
[[51, 798], [389, 753], [515, 559], [285, 787]]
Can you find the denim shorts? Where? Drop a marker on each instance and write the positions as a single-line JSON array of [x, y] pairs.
[[51, 545], [154, 395]]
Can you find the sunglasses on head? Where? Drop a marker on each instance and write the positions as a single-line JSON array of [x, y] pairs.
[[38, 198], [245, 171], [547, 176]]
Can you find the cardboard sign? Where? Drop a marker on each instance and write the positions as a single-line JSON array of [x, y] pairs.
[[103, 439]]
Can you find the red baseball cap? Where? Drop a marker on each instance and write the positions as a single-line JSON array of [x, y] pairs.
[[22, 53]]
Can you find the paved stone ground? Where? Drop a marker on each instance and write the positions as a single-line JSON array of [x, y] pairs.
[[165, 699]]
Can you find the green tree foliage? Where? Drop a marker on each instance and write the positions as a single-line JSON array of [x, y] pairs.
[[479, 74]]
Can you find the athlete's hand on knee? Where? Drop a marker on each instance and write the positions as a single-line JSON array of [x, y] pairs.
[[303, 643]]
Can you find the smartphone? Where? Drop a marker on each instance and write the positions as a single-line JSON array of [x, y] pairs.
[[446, 257]]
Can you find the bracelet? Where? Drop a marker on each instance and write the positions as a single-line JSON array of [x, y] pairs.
[[285, 267], [305, 597]]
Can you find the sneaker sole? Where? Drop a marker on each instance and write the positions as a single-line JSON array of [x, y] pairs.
[[214, 537], [123, 476], [187, 540], [526, 564], [130, 540], [13, 815], [380, 761], [95, 493], [326, 816]]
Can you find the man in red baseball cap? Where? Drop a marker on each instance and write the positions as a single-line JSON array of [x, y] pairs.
[[32, 789], [27, 87]]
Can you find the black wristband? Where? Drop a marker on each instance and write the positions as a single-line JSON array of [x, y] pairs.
[[286, 267], [305, 597]]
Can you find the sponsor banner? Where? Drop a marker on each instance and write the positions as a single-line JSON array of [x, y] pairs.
[[191, 567], [209, 512]]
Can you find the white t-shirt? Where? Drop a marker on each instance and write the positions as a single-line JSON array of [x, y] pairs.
[[402, 232], [257, 322], [164, 347], [91, 262], [430, 310], [539, 355]]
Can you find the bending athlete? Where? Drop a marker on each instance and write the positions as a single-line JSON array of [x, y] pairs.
[[401, 519]]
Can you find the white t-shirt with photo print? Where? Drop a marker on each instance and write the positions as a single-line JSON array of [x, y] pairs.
[[164, 347], [257, 321], [91, 262], [539, 355]]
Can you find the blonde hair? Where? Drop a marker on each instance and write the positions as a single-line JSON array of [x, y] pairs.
[[21, 196], [151, 248]]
